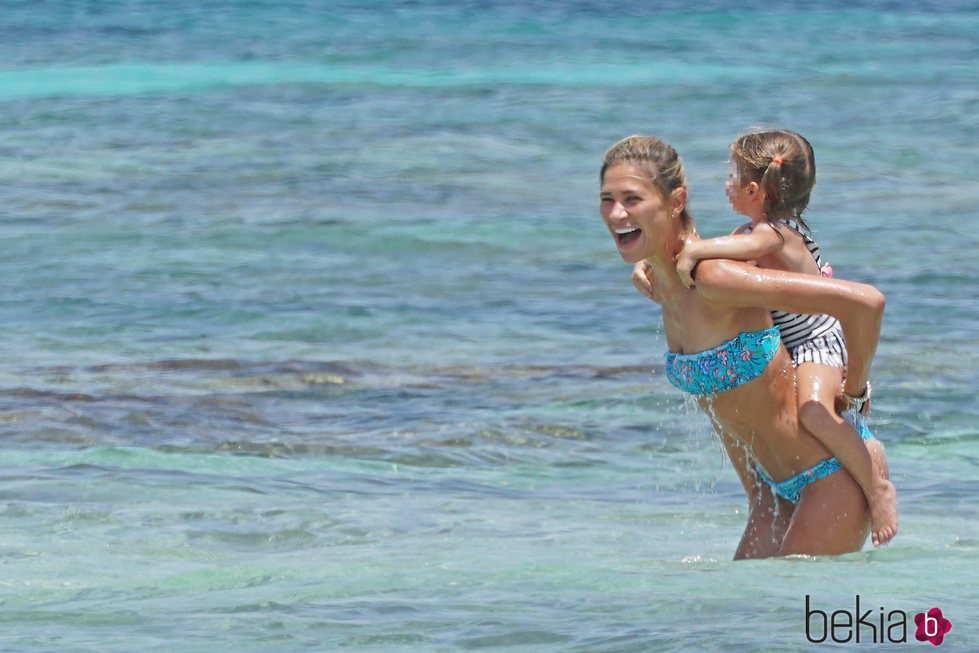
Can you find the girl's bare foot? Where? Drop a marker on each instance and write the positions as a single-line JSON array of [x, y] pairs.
[[883, 512]]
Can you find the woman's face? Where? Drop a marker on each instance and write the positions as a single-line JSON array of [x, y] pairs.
[[635, 212]]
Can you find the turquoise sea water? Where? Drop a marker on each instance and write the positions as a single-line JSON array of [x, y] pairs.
[[314, 339]]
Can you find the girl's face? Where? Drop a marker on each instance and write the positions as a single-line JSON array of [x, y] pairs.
[[635, 212], [743, 197], [733, 180]]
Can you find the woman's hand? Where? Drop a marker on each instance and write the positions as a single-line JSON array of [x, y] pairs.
[[860, 404], [642, 279]]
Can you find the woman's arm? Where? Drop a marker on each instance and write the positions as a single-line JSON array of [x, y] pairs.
[[859, 307]]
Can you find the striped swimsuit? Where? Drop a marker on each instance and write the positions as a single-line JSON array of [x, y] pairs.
[[811, 338]]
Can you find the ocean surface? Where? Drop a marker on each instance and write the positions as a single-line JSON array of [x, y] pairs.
[[314, 339]]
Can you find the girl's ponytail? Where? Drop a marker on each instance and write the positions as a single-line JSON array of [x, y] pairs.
[[783, 164]]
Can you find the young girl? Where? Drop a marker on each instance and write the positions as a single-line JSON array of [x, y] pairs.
[[772, 175]]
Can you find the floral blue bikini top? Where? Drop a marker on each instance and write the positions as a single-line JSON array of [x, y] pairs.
[[726, 366]]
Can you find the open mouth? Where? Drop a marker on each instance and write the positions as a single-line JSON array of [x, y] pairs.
[[626, 236]]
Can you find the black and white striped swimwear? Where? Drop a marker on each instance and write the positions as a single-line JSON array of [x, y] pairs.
[[811, 338]]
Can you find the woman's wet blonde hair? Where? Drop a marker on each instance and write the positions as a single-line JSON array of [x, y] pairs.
[[783, 164], [661, 164]]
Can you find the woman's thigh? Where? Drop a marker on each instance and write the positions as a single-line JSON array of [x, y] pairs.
[[768, 521], [831, 518]]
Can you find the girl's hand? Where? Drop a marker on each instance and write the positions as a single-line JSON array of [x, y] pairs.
[[642, 279], [685, 263]]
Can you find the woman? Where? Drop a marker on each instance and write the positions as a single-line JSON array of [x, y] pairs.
[[724, 349]]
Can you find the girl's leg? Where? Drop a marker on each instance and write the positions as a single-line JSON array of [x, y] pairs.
[[830, 518], [877, 453], [818, 386]]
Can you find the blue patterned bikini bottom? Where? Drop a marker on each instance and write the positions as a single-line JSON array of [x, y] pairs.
[[791, 488]]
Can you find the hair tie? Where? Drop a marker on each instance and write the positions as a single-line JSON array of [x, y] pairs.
[[777, 159]]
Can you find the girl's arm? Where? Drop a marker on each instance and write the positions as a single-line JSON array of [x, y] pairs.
[[859, 307], [740, 247]]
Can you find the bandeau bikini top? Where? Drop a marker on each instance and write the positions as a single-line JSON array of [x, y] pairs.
[[726, 366]]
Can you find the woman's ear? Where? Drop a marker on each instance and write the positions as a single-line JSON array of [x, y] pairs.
[[678, 199]]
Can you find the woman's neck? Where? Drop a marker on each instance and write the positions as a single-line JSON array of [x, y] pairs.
[[663, 261]]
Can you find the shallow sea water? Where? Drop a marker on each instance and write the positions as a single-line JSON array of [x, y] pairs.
[[315, 340]]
